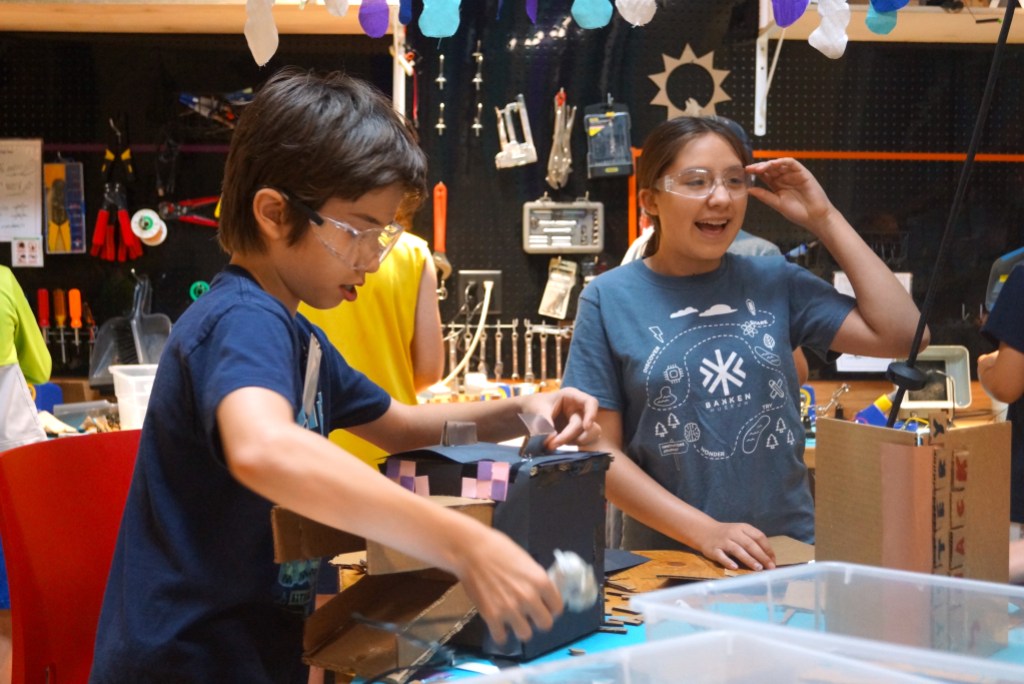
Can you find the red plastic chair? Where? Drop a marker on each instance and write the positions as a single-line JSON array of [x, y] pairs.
[[60, 508]]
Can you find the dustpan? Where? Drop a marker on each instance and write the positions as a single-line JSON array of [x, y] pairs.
[[123, 340]]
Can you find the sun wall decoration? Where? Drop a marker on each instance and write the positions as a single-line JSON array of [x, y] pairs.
[[692, 106]]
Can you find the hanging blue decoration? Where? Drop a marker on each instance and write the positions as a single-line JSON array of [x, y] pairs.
[[405, 12], [439, 18], [881, 6]]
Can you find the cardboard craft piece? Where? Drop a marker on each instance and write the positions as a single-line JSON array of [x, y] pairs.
[[333, 639], [432, 608], [551, 502], [852, 493]]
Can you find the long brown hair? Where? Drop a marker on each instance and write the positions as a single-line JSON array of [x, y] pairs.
[[663, 145]]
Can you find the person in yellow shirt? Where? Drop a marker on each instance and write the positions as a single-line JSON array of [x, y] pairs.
[[392, 333], [23, 356]]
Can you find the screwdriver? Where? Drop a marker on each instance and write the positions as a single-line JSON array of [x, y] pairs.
[[43, 310], [90, 322], [60, 315], [75, 310]]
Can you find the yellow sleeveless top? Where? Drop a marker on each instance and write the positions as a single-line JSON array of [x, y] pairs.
[[375, 332]]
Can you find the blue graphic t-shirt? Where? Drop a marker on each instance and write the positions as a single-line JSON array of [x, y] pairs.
[[194, 594], [701, 369]]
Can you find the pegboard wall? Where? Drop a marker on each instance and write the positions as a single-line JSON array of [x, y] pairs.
[[912, 98]]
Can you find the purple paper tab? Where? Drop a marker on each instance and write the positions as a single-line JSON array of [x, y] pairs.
[[788, 11], [373, 17]]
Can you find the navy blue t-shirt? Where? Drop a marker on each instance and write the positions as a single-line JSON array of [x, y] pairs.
[[194, 594], [1006, 324]]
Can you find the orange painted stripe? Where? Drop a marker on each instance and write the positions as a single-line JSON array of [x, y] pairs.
[[887, 156]]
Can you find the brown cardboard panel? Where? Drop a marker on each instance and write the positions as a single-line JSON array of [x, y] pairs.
[[848, 490], [298, 538], [433, 609], [987, 499], [383, 560], [907, 506]]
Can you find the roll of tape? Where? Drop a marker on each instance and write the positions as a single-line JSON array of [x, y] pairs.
[[149, 227]]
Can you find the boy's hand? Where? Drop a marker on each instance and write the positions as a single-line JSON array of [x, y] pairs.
[[571, 411], [508, 587], [723, 542]]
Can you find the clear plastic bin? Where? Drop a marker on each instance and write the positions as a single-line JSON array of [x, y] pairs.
[[946, 628], [718, 657], [132, 385]]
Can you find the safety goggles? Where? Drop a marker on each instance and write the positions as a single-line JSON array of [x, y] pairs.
[[356, 248], [701, 183]]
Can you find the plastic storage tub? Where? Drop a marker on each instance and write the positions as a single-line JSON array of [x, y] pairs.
[[946, 628], [717, 657], [132, 385]]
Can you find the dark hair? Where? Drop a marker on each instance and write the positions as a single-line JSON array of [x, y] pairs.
[[665, 142], [317, 137]]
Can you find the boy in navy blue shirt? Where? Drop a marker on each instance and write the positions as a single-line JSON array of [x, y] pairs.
[[247, 390]]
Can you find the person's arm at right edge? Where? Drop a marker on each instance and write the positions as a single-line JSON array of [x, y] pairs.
[[307, 474], [427, 337], [1001, 373], [642, 498], [885, 318]]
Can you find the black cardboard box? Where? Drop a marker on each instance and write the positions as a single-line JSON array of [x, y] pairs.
[[543, 503]]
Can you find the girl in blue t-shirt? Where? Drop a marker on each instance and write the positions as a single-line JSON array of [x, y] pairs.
[[688, 350]]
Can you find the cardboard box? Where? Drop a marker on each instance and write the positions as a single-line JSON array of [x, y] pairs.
[[870, 498], [334, 639], [543, 503]]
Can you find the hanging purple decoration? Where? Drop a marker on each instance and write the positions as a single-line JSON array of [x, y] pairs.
[[405, 12], [888, 5], [788, 11], [531, 10], [374, 18]]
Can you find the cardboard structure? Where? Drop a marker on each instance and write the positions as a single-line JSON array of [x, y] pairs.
[[545, 503], [941, 508]]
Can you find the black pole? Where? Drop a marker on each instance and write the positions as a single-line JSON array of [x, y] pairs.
[[904, 375]]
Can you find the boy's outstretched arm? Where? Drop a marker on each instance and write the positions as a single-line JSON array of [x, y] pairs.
[[270, 454], [408, 427], [885, 318]]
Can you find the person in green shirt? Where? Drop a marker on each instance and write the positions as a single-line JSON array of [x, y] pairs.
[[23, 357]]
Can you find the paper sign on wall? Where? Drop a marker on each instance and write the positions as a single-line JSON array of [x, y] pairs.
[[21, 188]]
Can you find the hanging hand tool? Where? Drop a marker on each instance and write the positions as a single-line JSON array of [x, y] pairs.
[[187, 211], [43, 312], [499, 365], [515, 350], [528, 371], [117, 163], [481, 364], [560, 160], [543, 357], [441, 263], [60, 315], [558, 357], [513, 152], [104, 244], [90, 322], [75, 311]]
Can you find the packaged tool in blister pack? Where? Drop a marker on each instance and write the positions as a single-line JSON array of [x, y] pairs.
[[609, 150], [513, 152], [551, 227], [65, 207]]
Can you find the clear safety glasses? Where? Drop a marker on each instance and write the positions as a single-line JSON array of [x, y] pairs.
[[701, 183], [356, 248]]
